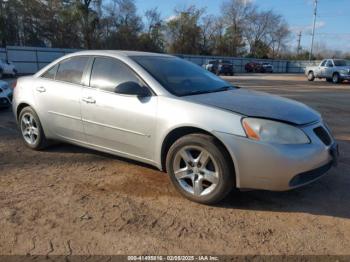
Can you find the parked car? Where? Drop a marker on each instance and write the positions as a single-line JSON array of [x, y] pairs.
[[207, 134], [7, 68], [333, 70], [252, 67], [267, 68], [220, 67], [256, 67], [211, 66], [5, 94]]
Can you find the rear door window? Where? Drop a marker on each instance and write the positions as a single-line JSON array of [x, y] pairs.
[[71, 70]]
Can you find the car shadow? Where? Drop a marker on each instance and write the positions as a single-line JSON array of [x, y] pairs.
[[61, 147]]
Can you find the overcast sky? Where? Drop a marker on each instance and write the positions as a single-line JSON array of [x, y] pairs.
[[333, 21]]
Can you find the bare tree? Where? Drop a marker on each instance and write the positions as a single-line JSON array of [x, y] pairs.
[[278, 35], [184, 32], [208, 33], [236, 14]]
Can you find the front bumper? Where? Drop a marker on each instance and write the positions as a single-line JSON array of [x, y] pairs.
[[345, 76], [268, 70], [279, 167]]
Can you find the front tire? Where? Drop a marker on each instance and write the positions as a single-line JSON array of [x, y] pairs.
[[31, 129], [336, 78], [200, 169], [311, 76]]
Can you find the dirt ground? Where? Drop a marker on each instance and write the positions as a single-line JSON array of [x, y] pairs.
[[69, 200]]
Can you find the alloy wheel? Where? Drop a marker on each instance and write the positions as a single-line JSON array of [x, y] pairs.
[[29, 128], [196, 170]]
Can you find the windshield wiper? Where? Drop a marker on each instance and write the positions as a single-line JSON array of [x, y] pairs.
[[222, 89]]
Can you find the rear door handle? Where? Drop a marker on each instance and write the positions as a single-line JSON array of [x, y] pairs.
[[41, 89], [89, 100]]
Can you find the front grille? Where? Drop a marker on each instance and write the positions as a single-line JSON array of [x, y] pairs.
[[323, 135]]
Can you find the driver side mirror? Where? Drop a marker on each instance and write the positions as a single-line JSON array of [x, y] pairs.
[[132, 88]]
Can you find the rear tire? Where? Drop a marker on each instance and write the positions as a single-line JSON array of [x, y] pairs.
[[200, 169], [31, 129], [311, 76]]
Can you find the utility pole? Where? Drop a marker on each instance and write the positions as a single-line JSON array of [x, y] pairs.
[[313, 29], [299, 46]]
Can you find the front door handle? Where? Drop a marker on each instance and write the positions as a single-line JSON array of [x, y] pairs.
[[89, 100], [41, 89]]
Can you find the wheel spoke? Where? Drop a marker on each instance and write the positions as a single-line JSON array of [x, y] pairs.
[[203, 158], [183, 173], [31, 120], [32, 138], [197, 187], [210, 176], [186, 156], [26, 132], [25, 121], [35, 131]]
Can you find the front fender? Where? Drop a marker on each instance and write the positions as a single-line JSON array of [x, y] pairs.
[[174, 113]]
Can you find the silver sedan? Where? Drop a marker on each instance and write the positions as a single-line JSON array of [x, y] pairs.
[[207, 134]]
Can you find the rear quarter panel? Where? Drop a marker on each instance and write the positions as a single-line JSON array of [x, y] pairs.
[[24, 94]]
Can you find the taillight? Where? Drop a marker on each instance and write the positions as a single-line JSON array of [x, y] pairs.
[[13, 84]]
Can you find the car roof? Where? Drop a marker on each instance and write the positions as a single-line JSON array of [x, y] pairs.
[[118, 53]]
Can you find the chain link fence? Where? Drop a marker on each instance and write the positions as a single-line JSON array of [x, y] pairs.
[[29, 60]]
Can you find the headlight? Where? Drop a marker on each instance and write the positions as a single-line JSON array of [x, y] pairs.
[[273, 132]]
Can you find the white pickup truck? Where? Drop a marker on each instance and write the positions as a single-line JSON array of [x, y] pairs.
[[333, 70]]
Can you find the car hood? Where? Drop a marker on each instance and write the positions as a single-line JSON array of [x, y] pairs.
[[258, 104]]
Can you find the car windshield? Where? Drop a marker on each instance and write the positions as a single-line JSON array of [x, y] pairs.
[[181, 77], [341, 63]]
